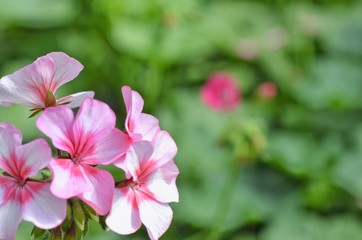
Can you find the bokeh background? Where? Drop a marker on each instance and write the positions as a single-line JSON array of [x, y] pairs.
[[287, 167]]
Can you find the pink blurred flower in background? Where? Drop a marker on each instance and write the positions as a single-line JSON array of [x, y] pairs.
[[20, 196], [267, 90], [35, 84], [221, 92]]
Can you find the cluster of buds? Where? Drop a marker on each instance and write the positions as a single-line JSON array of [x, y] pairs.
[[60, 194]]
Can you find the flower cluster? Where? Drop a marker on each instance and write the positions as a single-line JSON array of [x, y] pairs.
[[62, 193]]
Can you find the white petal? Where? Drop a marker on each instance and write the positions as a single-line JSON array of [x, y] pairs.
[[161, 183], [165, 148], [124, 216], [75, 99], [41, 207], [154, 215], [148, 126], [10, 217]]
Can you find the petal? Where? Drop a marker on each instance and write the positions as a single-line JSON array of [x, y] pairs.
[[10, 138], [33, 156], [10, 217], [108, 149], [94, 121], [65, 69], [134, 105], [165, 148], [68, 180], [124, 216], [41, 207], [154, 215], [100, 194], [56, 123], [8, 185], [75, 100], [28, 85], [161, 184], [137, 158], [147, 125]]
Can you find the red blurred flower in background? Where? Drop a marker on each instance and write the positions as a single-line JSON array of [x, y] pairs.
[[221, 92], [267, 90]]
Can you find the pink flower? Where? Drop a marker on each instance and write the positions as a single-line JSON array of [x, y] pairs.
[[35, 84], [20, 196], [90, 139], [221, 92], [139, 126], [150, 185], [267, 90]]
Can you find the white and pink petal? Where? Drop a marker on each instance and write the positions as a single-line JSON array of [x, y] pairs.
[[161, 183], [75, 100], [101, 186], [10, 217], [33, 156], [154, 215], [68, 179], [124, 216], [41, 207], [56, 123]]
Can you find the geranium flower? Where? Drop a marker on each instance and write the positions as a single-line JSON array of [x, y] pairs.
[[35, 84], [221, 92], [90, 139], [22, 197], [150, 186]]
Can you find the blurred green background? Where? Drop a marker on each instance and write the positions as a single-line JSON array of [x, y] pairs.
[[287, 168]]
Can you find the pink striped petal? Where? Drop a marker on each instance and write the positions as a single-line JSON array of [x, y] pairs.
[[137, 159], [165, 148], [28, 85], [100, 194], [33, 156], [94, 121], [8, 187], [68, 179], [148, 126], [65, 69], [161, 183], [57, 123], [154, 215], [75, 99], [10, 217], [108, 149], [124, 216], [134, 105], [41, 207]]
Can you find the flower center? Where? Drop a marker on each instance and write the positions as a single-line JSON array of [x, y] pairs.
[[75, 159], [21, 182]]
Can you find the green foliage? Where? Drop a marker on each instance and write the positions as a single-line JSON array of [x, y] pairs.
[[279, 169]]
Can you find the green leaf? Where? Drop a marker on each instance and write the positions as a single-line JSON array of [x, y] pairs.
[[37, 233]]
